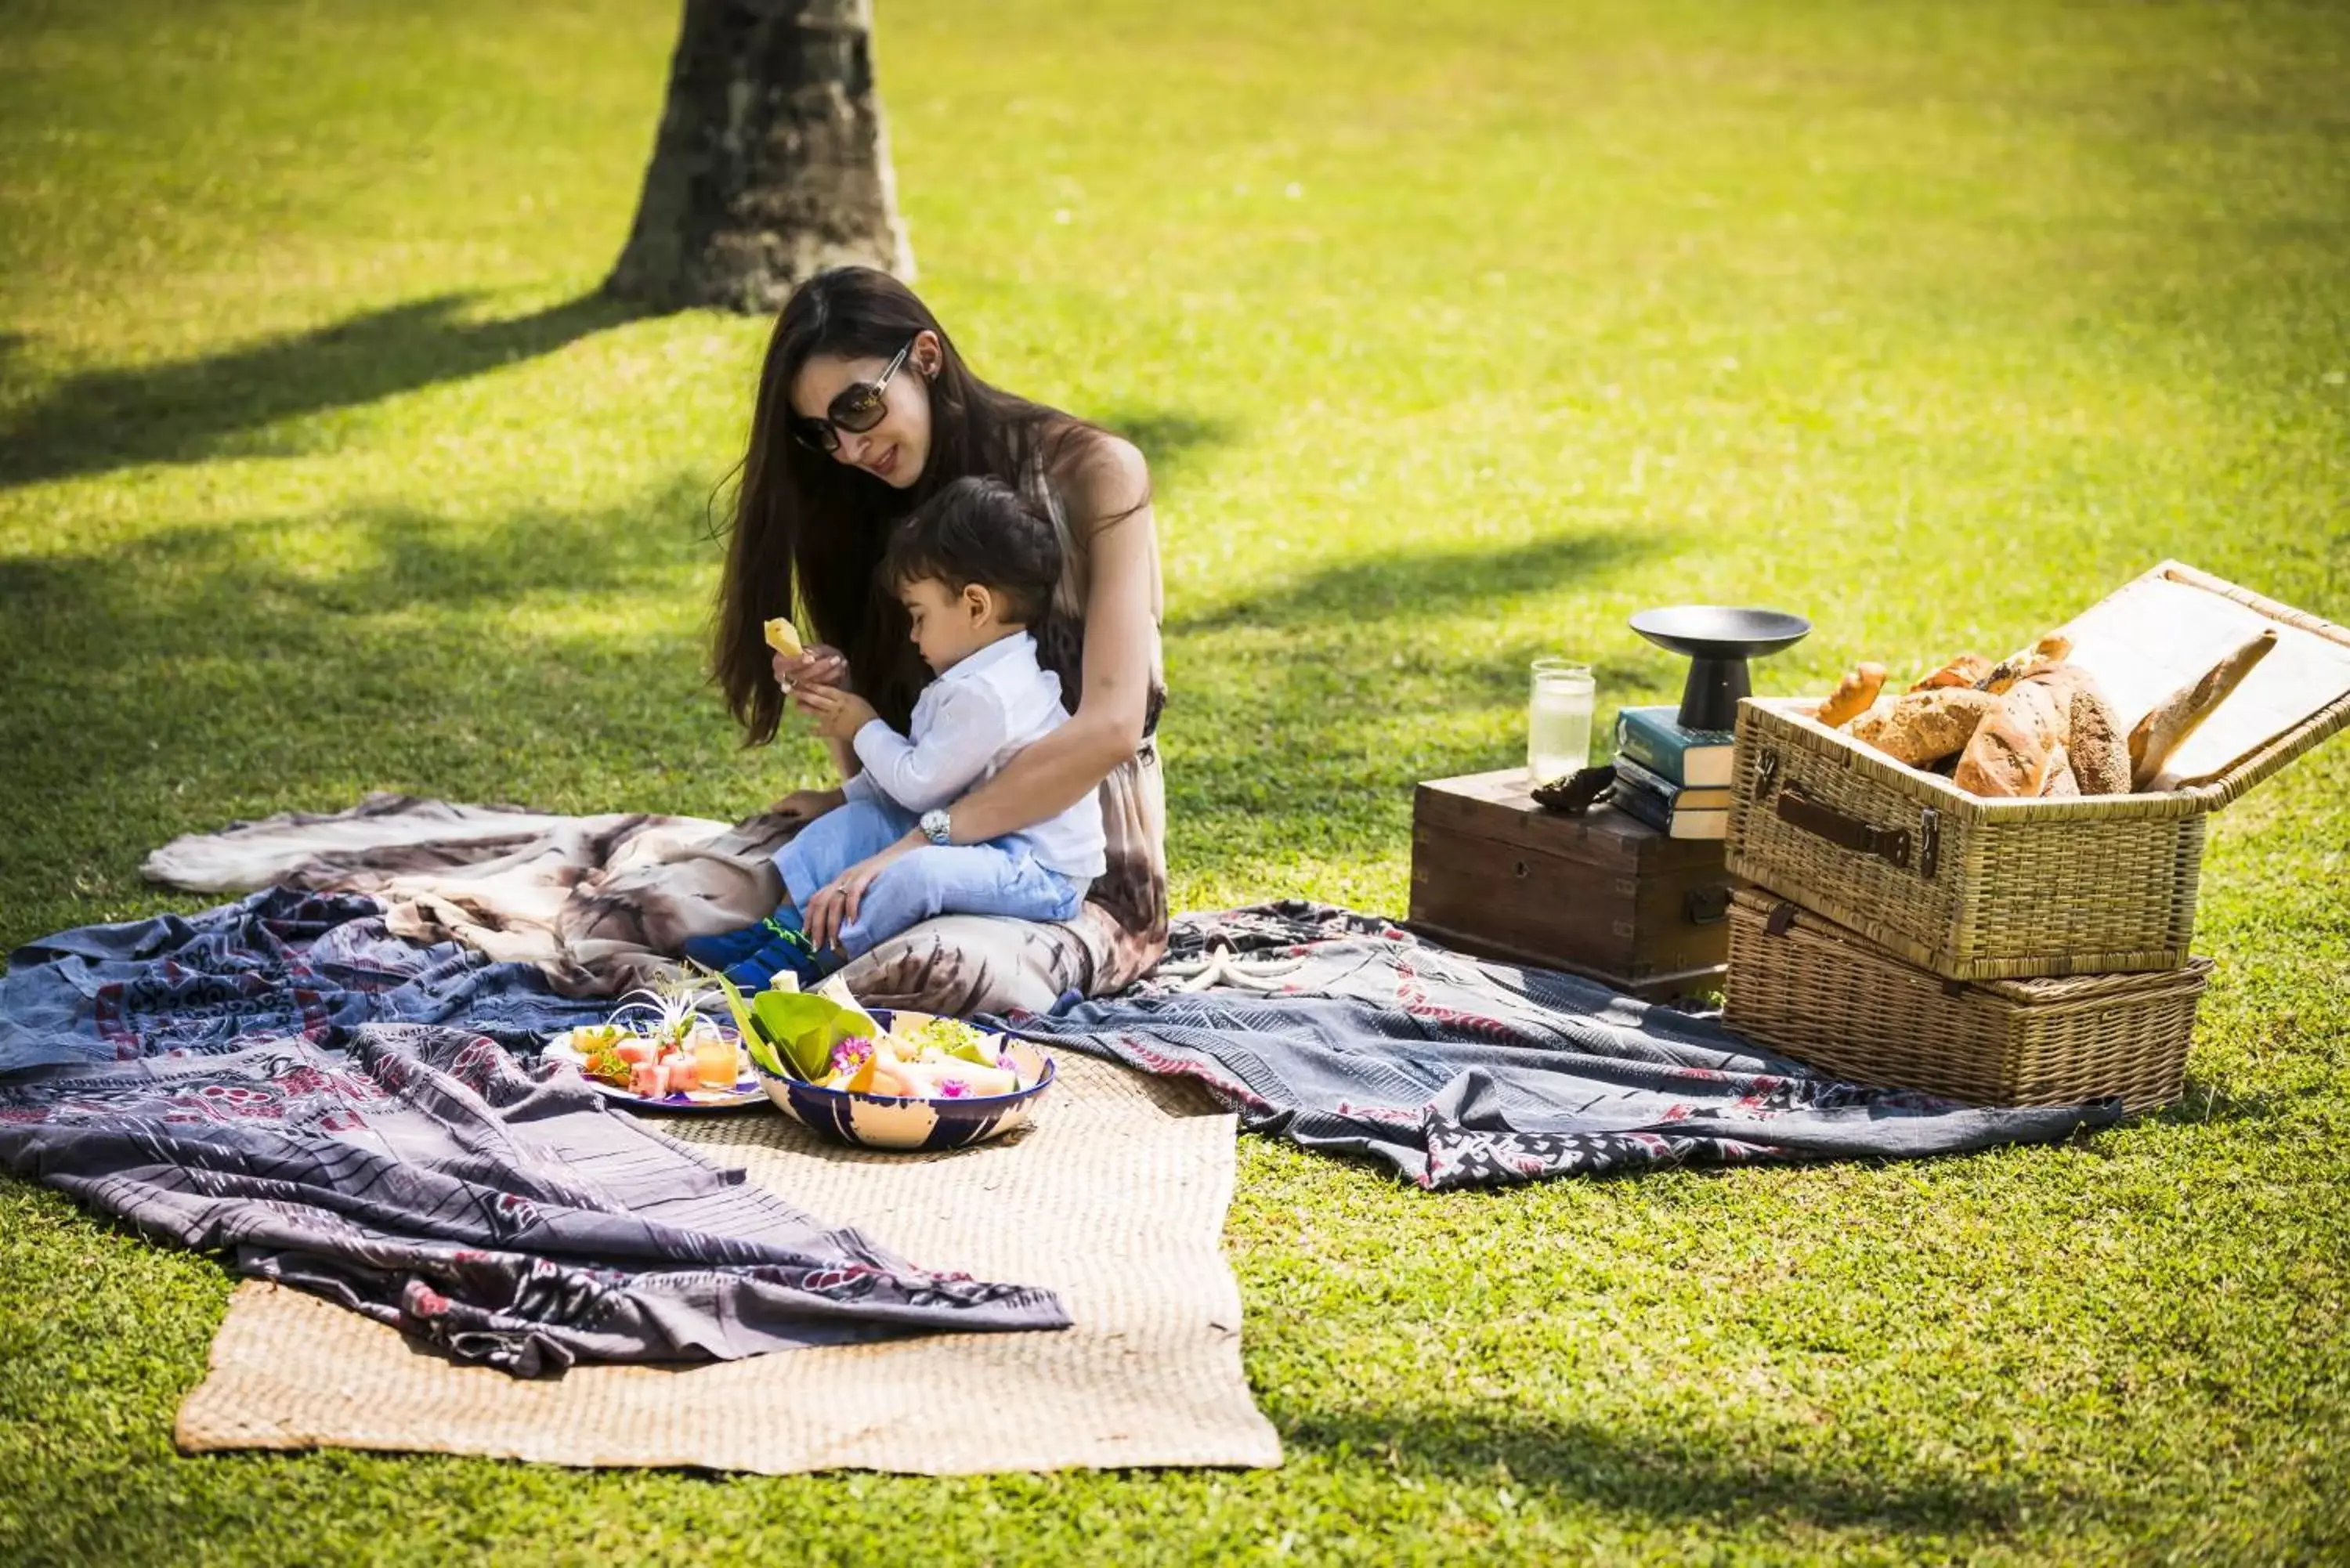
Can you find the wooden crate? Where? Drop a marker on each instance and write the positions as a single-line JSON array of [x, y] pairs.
[[1600, 895]]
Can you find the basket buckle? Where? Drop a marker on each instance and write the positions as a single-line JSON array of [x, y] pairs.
[[1930, 842], [1766, 774]]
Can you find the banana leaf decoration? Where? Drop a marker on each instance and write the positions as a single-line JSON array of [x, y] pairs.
[[791, 1033]]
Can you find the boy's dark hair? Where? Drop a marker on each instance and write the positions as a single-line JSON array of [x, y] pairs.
[[980, 530]]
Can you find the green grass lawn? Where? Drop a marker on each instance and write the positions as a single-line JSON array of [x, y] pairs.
[[1455, 334]]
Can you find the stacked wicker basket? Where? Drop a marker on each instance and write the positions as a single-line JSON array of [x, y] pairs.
[[2024, 952]]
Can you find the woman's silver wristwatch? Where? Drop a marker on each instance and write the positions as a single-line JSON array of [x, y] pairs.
[[938, 826]]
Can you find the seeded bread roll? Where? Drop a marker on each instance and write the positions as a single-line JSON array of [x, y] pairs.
[[2093, 738], [1852, 697], [2178, 715], [1920, 728], [1964, 671], [2014, 750]]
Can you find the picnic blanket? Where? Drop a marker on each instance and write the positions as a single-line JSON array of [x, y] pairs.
[[283, 1082], [601, 905], [1341, 1033]]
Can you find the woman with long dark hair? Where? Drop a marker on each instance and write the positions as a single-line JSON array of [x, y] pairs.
[[865, 409]]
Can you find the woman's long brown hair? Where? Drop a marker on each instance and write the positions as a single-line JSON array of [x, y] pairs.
[[809, 531]]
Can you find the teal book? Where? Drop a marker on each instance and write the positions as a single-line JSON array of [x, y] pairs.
[[1654, 738], [1643, 797], [1689, 796]]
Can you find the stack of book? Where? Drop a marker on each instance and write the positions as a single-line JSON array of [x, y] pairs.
[[1675, 780]]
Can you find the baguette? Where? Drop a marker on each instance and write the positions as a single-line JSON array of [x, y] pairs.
[[2015, 750], [2046, 654], [1852, 697], [2165, 729], [1920, 728], [1964, 671]]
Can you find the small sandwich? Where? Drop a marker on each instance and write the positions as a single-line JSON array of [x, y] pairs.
[[785, 639], [782, 636]]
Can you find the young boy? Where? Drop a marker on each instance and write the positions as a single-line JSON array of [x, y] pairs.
[[976, 567]]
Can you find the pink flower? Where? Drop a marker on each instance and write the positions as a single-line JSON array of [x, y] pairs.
[[954, 1089]]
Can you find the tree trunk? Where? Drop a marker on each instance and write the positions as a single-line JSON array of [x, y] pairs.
[[772, 163]]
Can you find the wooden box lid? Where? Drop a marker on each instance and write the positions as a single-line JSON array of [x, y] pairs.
[[1500, 806]]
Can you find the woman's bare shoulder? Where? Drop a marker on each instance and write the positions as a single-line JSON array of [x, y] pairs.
[[1102, 477]]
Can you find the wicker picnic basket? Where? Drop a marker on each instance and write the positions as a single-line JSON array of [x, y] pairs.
[[1975, 888], [1805, 986]]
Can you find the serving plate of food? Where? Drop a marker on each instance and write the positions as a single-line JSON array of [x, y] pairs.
[[659, 1052]]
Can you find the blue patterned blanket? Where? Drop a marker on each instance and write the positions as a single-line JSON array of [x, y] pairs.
[[282, 1080], [1343, 1034]]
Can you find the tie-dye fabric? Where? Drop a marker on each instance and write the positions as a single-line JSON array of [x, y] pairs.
[[240, 1081], [601, 905], [1343, 1034]]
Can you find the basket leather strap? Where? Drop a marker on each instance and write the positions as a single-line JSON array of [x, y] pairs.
[[1799, 810]]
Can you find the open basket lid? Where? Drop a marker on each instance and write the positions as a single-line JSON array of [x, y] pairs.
[[2154, 635]]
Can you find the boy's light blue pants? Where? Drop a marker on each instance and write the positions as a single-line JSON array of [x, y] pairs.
[[1000, 877]]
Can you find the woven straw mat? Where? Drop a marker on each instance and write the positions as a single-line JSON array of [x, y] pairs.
[[1115, 1197]]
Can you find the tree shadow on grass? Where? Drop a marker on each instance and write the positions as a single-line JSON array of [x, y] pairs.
[[1419, 582], [1168, 438], [1693, 1473], [1323, 668], [202, 673], [191, 410]]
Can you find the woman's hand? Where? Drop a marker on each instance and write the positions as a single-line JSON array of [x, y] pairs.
[[839, 712], [815, 665], [805, 805], [837, 902]]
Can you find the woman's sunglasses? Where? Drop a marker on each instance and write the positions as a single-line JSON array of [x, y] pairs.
[[855, 408]]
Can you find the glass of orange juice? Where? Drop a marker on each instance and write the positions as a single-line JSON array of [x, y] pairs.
[[714, 1060]]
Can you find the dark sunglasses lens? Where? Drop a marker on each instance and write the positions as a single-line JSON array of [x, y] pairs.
[[815, 435], [858, 409]]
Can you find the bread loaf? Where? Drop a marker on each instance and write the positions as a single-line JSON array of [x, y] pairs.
[[2165, 729], [1852, 697], [2061, 781], [1920, 728], [2093, 739], [2046, 654], [1964, 671], [2014, 749]]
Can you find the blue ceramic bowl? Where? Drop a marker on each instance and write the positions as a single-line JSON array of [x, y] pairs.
[[901, 1122]]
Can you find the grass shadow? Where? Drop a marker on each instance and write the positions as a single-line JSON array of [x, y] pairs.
[[1419, 583], [190, 410], [1700, 1472], [2202, 1102], [1167, 438], [205, 673], [1302, 712]]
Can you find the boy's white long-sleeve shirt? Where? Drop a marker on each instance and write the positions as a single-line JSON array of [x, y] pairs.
[[967, 725]]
